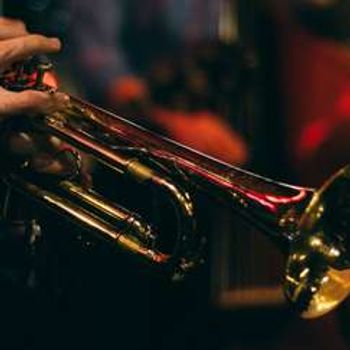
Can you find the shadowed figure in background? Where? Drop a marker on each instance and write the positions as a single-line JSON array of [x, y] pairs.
[[156, 61]]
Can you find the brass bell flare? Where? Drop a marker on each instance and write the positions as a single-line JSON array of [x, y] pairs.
[[318, 267]]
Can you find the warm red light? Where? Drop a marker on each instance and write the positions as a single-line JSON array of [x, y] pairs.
[[343, 103], [50, 79], [312, 137]]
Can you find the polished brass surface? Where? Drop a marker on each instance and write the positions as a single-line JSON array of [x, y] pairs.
[[318, 274], [311, 226]]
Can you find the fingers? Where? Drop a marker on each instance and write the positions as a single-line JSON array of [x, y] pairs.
[[44, 155], [16, 45], [44, 164], [17, 49], [11, 28], [63, 163], [30, 102]]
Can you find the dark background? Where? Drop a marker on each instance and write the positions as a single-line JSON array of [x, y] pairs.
[[92, 297]]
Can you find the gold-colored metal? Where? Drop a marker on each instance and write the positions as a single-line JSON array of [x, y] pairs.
[[310, 226], [318, 274]]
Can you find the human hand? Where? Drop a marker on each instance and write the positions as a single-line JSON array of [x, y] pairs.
[[16, 45]]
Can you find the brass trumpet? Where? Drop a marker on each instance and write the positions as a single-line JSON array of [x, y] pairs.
[[310, 225]]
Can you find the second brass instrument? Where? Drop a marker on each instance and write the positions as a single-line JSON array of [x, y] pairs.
[[310, 225]]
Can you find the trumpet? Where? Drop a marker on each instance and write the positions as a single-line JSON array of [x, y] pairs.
[[310, 225]]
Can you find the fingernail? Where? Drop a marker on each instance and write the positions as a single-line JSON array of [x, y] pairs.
[[56, 42]]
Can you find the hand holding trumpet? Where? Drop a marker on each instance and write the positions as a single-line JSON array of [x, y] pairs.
[[44, 153]]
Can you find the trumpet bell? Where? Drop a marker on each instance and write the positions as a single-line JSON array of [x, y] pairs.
[[311, 225], [318, 266]]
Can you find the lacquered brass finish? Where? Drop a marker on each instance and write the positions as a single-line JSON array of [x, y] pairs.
[[318, 274], [311, 226]]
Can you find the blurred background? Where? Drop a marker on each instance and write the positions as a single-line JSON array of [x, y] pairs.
[[264, 85]]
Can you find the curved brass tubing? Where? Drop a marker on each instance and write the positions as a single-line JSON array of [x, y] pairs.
[[311, 226]]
